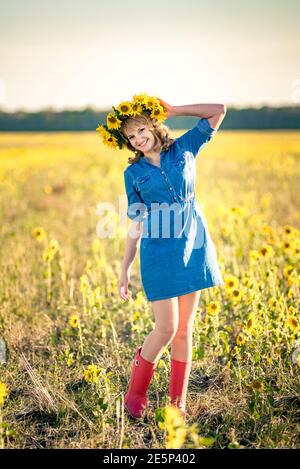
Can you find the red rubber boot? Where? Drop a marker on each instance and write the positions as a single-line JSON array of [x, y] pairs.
[[179, 379], [136, 397]]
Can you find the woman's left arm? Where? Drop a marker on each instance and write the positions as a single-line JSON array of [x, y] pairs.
[[214, 113]]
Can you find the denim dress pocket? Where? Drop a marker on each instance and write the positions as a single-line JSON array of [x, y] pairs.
[[144, 185]]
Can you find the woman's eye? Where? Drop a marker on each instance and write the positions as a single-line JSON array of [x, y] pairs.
[[139, 129]]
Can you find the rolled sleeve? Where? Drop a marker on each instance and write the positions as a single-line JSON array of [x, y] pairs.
[[196, 138], [136, 210]]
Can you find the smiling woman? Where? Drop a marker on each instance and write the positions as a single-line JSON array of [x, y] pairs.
[[142, 128], [177, 254]]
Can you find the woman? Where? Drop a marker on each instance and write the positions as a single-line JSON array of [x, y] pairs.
[[160, 180]]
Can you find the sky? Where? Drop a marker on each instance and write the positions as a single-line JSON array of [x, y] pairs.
[[70, 54]]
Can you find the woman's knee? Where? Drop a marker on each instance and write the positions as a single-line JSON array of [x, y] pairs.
[[184, 333], [166, 334], [166, 319]]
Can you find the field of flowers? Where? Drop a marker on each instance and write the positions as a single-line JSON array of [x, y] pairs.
[[67, 339]]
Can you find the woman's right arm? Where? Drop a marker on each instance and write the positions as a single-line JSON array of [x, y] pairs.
[[132, 243]]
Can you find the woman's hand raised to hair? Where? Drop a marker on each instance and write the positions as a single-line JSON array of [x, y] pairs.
[[167, 107]]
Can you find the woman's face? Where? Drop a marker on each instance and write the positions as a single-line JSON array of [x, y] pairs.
[[141, 138]]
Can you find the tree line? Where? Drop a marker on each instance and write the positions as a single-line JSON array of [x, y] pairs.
[[265, 117]]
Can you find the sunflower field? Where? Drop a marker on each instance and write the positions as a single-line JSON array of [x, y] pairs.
[[67, 338]]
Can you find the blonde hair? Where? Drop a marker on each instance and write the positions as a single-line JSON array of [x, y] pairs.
[[159, 131]]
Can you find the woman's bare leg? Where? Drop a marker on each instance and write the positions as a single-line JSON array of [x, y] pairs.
[[166, 324], [182, 343]]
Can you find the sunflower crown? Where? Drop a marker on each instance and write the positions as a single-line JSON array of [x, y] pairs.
[[110, 133]]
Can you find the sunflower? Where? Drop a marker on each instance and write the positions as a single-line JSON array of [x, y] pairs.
[[240, 340], [39, 233], [139, 98], [236, 295], [150, 102], [239, 211], [136, 316], [74, 321], [136, 109], [292, 323], [296, 252], [91, 374], [291, 281], [103, 133], [250, 325], [266, 251], [107, 137], [47, 256], [158, 113], [53, 246], [111, 142], [288, 230], [231, 282], [287, 271], [112, 121], [213, 308], [287, 246], [124, 108], [257, 385]]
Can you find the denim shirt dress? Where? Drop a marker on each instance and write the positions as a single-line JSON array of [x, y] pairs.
[[177, 254]]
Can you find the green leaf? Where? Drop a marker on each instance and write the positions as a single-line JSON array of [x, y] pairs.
[[160, 414], [206, 441], [271, 400]]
